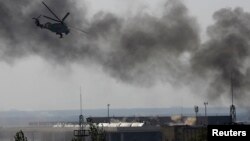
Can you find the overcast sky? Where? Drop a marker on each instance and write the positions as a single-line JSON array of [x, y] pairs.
[[31, 83]]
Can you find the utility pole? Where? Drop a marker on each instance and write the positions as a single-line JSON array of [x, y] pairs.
[[232, 107], [81, 118], [206, 120], [196, 110], [108, 113]]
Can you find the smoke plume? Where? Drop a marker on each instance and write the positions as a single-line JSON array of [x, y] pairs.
[[225, 54], [145, 49], [141, 50]]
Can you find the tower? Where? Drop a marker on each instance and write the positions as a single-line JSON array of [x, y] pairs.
[[206, 118], [108, 105], [81, 132], [196, 110], [81, 118], [232, 107]]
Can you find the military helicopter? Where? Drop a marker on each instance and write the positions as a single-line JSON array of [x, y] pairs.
[[60, 27]]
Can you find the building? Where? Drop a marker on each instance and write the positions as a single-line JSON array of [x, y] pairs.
[[152, 120], [214, 120], [166, 120], [131, 132], [183, 133]]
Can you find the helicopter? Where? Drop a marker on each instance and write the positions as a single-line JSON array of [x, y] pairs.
[[59, 27]]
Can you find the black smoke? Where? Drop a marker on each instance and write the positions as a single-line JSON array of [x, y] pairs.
[[145, 49], [140, 50], [21, 38], [226, 53]]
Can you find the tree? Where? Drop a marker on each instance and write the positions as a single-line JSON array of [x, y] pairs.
[[96, 133], [20, 136]]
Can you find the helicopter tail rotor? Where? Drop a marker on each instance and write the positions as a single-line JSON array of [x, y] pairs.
[[37, 22], [37, 17]]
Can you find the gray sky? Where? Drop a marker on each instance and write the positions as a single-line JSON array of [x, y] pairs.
[[31, 83]]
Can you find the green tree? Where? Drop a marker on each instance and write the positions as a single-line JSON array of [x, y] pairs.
[[20, 136], [96, 133]]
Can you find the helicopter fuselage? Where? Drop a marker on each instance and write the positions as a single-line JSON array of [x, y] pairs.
[[58, 28]]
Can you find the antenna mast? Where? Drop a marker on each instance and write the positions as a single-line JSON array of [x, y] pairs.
[[81, 132], [81, 119], [80, 100]]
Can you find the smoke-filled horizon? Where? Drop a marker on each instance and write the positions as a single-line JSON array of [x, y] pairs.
[[140, 50]]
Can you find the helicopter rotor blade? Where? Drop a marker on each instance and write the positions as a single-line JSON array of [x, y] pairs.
[[51, 18], [78, 29], [65, 17], [52, 12]]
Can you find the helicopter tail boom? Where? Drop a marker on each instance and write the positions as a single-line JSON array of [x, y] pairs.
[[37, 22]]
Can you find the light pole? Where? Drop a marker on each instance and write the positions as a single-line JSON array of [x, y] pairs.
[[108, 112], [206, 103], [196, 110]]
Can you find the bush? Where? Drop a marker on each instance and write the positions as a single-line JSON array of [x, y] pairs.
[[20, 136]]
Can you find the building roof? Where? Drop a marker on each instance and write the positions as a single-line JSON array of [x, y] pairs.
[[121, 124]]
